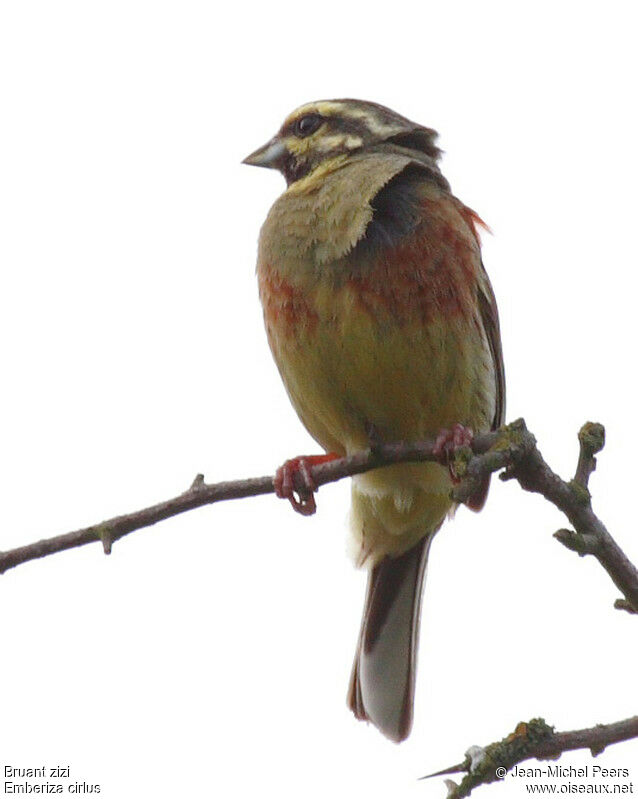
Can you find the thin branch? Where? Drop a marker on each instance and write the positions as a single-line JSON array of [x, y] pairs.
[[532, 739], [512, 448], [201, 493], [590, 536], [591, 438]]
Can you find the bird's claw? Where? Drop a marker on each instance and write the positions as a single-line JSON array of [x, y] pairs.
[[448, 442], [294, 482], [295, 477]]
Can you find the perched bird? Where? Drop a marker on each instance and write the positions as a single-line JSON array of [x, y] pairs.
[[383, 324]]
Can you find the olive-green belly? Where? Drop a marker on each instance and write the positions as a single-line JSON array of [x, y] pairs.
[[349, 370]]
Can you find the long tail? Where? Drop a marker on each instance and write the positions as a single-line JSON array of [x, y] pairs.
[[382, 682]]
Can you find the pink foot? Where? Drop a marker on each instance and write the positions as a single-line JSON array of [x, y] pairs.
[[446, 444], [295, 477]]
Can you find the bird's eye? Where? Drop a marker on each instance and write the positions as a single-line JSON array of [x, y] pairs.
[[306, 126]]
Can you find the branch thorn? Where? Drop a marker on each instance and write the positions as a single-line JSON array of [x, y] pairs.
[[198, 482], [105, 535]]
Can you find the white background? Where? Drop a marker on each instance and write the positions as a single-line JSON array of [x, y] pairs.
[[209, 656]]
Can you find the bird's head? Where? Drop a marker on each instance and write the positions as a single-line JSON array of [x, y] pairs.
[[328, 131]]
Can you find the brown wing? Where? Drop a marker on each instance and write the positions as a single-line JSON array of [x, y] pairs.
[[489, 317]]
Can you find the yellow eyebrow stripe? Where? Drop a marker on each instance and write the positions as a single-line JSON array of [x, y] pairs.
[[338, 140]]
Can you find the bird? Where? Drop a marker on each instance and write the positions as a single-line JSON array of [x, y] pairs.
[[384, 327]]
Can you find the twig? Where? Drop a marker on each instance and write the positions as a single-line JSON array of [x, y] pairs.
[[201, 493], [512, 448], [590, 536], [533, 739], [591, 438]]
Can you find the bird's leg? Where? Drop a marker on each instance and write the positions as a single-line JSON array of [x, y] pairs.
[[295, 478], [448, 442]]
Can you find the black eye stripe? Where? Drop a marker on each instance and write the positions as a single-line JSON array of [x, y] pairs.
[[307, 125]]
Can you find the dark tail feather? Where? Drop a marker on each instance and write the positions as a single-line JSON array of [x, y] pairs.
[[382, 682]]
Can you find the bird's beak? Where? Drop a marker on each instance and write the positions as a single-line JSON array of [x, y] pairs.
[[270, 155]]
